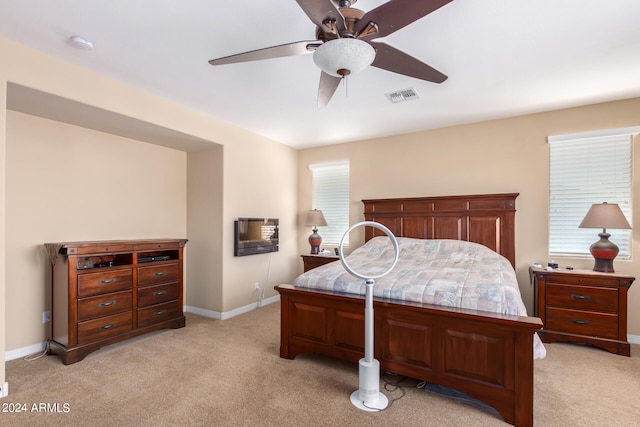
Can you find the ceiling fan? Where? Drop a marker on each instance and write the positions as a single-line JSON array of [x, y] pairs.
[[345, 41]]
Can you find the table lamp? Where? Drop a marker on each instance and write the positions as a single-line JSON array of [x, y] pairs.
[[604, 215], [315, 219]]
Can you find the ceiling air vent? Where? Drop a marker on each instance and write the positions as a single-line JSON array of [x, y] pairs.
[[402, 95]]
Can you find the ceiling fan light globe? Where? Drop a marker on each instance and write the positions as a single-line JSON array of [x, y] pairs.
[[336, 56]]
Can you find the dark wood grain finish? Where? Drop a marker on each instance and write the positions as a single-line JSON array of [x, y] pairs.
[[313, 261], [100, 292], [488, 219], [153, 274], [104, 305], [489, 356], [158, 313], [583, 306], [104, 282], [150, 295], [104, 327]]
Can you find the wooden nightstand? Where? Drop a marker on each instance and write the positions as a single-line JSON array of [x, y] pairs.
[[583, 306], [313, 261]]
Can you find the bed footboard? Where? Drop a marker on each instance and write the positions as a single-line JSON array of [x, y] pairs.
[[488, 356]]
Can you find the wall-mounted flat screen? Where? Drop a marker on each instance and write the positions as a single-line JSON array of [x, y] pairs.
[[255, 236]]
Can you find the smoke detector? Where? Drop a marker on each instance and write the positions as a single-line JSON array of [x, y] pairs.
[[80, 43], [402, 95]]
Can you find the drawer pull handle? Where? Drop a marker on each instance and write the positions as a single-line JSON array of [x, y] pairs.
[[160, 273], [106, 304], [105, 327], [159, 313], [102, 282], [576, 296], [158, 293], [580, 322]]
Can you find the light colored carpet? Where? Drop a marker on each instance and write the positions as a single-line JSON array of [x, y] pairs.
[[229, 373]]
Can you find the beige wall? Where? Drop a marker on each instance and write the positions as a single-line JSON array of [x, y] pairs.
[[242, 174], [3, 222], [261, 182], [204, 220], [509, 155], [67, 183]]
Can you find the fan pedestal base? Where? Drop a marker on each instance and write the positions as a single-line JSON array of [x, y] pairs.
[[368, 396]]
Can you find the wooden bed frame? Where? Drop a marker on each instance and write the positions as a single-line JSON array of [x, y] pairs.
[[486, 355]]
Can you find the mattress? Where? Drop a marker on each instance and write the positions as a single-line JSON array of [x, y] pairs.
[[450, 273]]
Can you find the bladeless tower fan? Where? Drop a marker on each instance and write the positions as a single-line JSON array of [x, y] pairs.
[[368, 396]]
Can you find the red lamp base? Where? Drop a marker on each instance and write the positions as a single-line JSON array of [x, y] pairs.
[[604, 253], [315, 240]]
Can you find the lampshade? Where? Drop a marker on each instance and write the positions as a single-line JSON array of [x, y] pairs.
[[605, 215], [344, 56], [315, 218]]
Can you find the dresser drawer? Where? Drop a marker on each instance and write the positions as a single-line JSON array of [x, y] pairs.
[[104, 327], [104, 305], [104, 282], [106, 247], [158, 313], [158, 274], [582, 297], [151, 246], [151, 295], [589, 323]]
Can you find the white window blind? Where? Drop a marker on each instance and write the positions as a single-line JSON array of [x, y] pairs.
[[331, 196], [585, 169]]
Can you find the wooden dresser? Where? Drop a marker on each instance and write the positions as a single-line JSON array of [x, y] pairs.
[[583, 306], [104, 292]]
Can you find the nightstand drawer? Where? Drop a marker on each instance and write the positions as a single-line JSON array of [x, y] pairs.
[[582, 297], [567, 278], [582, 322]]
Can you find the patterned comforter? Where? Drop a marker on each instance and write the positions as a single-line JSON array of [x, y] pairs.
[[450, 273]]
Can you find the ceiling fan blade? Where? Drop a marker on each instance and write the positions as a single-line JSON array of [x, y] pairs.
[[328, 86], [391, 59], [324, 14], [291, 49], [396, 14]]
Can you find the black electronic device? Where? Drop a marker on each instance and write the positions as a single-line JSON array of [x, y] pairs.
[[153, 258], [254, 236]]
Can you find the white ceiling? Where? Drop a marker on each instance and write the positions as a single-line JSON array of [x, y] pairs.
[[503, 58]]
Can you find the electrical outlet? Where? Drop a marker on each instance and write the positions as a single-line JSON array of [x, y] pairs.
[[45, 317], [256, 286]]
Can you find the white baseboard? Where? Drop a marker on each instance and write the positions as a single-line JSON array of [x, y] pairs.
[[24, 351], [633, 339], [229, 314]]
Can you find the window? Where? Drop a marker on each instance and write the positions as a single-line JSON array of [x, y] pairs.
[[584, 169], [331, 196]]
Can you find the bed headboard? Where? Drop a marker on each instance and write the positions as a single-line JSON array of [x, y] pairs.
[[488, 219]]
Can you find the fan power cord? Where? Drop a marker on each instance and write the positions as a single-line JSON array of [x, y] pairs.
[[393, 386]]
